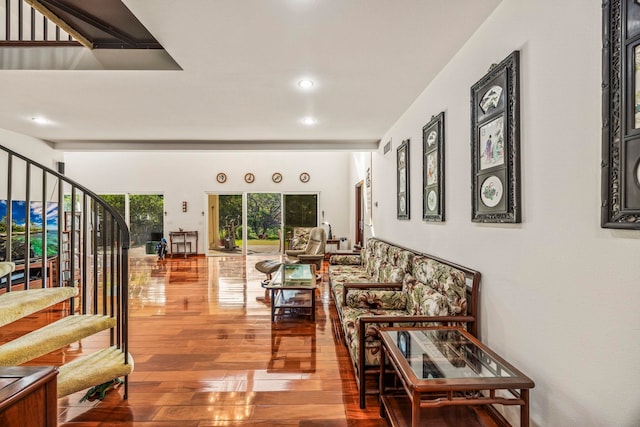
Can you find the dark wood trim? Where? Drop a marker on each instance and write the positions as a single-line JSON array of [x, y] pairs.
[[359, 237]]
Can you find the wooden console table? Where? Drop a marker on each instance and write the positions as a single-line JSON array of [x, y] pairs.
[[28, 396], [188, 240]]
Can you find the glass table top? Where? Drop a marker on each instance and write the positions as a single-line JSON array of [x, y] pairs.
[[446, 353], [293, 275]]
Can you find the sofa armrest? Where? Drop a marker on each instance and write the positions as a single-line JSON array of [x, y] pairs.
[[368, 286]]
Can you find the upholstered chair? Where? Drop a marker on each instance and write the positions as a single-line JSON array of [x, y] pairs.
[[313, 253]]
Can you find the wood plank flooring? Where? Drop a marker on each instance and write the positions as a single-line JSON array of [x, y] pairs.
[[207, 354]]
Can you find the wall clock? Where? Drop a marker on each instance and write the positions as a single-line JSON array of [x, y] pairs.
[[249, 178], [221, 178], [305, 177], [276, 177]]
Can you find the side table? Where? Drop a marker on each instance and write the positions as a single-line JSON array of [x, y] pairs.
[[446, 366]]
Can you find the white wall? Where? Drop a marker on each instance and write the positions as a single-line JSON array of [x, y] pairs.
[[34, 149], [560, 295], [188, 176]]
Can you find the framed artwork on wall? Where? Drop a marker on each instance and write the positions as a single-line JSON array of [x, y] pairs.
[[433, 169], [402, 160], [495, 144], [620, 207]]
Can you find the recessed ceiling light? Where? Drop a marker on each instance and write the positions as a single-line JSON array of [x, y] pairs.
[[305, 84], [309, 121], [41, 120]]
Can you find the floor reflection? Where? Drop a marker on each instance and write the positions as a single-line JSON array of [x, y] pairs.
[[293, 347], [206, 353]]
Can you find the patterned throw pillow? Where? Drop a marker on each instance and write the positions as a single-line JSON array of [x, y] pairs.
[[377, 299]]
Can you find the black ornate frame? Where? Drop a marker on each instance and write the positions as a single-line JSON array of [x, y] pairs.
[[620, 115], [495, 176], [403, 187], [433, 169]]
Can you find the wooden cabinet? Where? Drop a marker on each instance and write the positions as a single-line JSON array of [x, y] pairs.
[[28, 396]]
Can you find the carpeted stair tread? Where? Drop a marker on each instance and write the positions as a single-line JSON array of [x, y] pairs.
[[52, 337], [92, 370], [18, 304], [6, 268]]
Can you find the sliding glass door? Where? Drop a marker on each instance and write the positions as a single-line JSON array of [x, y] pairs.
[[300, 210], [264, 222], [145, 215]]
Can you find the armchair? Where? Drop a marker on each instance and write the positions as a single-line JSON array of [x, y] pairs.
[[313, 253]]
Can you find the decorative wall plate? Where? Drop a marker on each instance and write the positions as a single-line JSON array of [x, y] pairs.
[[432, 200], [221, 178], [403, 204], [491, 191], [305, 177], [249, 178], [276, 177]]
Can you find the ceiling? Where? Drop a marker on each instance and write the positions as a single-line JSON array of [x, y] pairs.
[[239, 62]]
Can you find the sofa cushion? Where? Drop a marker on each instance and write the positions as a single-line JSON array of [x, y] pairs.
[[444, 279], [401, 258], [347, 273], [351, 327], [338, 281], [423, 300], [377, 299], [389, 273], [345, 260], [372, 265]]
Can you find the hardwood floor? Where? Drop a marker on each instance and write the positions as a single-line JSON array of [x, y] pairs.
[[207, 354]]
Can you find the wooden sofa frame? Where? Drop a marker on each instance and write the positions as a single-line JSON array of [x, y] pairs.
[[471, 319]]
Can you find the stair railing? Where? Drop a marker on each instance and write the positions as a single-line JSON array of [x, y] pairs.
[[59, 233], [25, 25]]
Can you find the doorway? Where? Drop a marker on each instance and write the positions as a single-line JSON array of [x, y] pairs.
[[225, 223]]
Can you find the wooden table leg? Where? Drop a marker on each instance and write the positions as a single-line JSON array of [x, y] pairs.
[[383, 350], [524, 409], [415, 409]]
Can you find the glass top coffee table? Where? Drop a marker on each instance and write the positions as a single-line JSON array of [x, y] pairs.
[[444, 366], [293, 291]]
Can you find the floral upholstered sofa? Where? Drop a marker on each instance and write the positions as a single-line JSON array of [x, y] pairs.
[[389, 285]]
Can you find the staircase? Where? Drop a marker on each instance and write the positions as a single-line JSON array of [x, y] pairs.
[[61, 245]]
